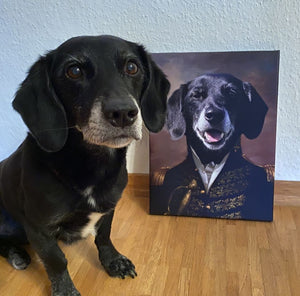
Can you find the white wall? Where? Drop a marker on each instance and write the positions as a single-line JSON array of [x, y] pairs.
[[30, 28]]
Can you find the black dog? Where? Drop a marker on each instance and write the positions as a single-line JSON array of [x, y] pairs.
[[215, 180], [83, 104]]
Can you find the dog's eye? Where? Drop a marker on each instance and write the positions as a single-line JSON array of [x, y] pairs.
[[74, 72], [232, 91], [195, 94], [229, 90], [131, 68], [199, 93]]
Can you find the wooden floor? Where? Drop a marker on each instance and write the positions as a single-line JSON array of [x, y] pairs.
[[183, 256]]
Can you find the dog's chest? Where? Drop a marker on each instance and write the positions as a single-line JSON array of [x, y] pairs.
[[78, 225], [89, 197], [83, 220], [93, 217], [90, 227]]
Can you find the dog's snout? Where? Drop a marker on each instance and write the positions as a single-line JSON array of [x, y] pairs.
[[121, 117], [214, 115]]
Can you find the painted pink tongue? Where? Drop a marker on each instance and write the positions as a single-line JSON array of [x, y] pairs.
[[213, 136]]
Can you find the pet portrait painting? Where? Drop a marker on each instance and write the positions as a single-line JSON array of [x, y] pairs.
[[215, 156]]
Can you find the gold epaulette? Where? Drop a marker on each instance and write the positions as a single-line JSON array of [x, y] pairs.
[[270, 171], [158, 177]]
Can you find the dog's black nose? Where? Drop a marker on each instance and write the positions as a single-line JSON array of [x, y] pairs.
[[214, 115], [121, 117]]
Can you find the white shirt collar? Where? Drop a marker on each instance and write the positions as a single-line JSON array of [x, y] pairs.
[[210, 172]]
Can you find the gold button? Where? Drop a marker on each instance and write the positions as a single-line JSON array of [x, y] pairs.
[[202, 191]]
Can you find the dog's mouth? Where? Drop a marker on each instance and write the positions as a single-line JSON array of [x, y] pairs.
[[118, 142], [113, 142], [214, 136]]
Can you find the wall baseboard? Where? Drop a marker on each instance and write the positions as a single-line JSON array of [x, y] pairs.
[[141, 181], [287, 193]]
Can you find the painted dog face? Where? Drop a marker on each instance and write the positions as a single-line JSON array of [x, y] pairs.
[[216, 109]]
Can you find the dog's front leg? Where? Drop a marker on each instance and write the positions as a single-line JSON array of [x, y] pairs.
[[116, 264], [54, 261]]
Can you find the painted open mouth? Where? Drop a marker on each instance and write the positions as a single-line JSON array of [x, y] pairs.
[[214, 136]]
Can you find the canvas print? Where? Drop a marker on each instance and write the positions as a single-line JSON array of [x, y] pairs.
[[215, 156]]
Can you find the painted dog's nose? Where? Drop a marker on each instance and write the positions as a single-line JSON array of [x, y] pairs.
[[214, 115], [121, 117]]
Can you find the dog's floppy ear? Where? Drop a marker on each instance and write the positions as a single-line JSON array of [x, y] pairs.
[[254, 113], [40, 108], [175, 120], [154, 96]]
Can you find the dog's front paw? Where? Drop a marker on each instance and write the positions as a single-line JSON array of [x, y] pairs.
[[65, 291], [120, 266], [63, 286], [18, 258]]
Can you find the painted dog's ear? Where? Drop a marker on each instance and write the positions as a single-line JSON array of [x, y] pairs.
[[254, 113], [175, 120], [154, 95], [40, 108]]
